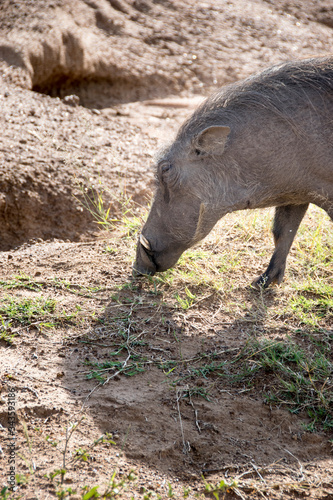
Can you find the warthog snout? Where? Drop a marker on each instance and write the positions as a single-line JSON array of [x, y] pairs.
[[154, 257], [144, 263]]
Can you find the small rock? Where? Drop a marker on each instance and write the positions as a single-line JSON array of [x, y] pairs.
[[72, 100]]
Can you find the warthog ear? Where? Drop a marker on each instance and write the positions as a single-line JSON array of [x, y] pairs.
[[212, 139]]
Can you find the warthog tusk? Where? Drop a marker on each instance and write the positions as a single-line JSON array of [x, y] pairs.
[[144, 242]]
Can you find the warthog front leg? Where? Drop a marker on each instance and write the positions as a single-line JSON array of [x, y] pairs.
[[286, 222]]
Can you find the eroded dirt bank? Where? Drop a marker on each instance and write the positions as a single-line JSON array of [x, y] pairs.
[[107, 54], [136, 70]]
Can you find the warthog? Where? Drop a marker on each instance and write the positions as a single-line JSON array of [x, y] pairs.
[[265, 141]]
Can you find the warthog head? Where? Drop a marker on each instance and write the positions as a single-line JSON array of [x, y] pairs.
[[182, 212]]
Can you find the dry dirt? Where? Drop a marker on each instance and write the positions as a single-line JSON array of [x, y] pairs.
[[137, 68]]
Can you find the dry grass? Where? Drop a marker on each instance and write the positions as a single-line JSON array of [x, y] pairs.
[[210, 283], [205, 330]]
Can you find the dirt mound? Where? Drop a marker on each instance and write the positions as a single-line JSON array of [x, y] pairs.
[[124, 50], [95, 48], [320, 11], [101, 53]]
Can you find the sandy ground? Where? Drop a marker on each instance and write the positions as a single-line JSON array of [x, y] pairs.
[[137, 69]]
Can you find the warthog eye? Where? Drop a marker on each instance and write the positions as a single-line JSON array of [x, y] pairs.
[[198, 152], [165, 167]]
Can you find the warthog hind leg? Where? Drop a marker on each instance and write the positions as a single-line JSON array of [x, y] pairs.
[[286, 222]]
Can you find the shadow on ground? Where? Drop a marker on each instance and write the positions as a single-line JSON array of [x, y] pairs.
[[164, 393]]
